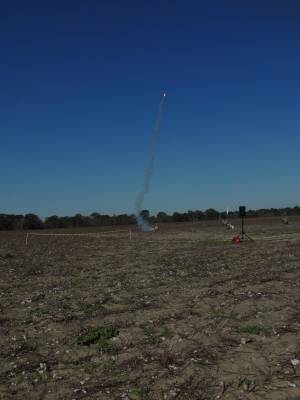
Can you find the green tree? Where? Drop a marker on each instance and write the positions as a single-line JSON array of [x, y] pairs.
[[211, 213], [32, 221], [163, 217], [52, 222]]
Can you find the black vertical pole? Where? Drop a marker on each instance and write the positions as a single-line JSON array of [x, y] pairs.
[[242, 227]]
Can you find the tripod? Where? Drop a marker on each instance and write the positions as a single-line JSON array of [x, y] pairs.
[[243, 233]]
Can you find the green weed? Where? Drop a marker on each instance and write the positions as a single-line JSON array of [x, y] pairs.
[[152, 336], [252, 329], [39, 312], [136, 394], [91, 308], [166, 332], [100, 336], [106, 365], [217, 315]]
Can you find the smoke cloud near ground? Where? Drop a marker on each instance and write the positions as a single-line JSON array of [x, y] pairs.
[[142, 223]]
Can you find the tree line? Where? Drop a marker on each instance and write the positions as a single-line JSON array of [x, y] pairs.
[[33, 221]]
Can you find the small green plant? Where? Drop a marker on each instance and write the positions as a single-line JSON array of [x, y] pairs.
[[91, 308], [154, 336], [252, 329], [39, 312], [220, 315], [136, 394], [151, 335], [248, 385], [104, 346], [166, 332], [108, 365], [100, 336], [217, 315], [26, 322], [105, 365]]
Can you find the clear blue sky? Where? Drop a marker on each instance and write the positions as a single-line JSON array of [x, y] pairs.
[[80, 83]]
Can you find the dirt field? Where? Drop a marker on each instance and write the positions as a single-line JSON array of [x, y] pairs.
[[177, 314]]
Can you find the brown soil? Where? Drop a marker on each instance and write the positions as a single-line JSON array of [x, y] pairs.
[[198, 317]]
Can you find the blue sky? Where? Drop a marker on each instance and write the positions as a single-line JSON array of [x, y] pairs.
[[80, 83]]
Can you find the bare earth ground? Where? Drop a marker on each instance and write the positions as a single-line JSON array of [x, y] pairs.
[[190, 316]]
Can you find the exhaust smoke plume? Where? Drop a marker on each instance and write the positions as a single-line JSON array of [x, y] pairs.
[[142, 223]]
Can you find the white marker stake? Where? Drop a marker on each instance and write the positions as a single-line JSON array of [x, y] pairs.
[[130, 234], [27, 238]]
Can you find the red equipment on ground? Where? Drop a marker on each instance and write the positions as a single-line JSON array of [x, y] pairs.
[[236, 239]]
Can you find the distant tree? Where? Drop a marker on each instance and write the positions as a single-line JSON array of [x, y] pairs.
[[52, 222], [95, 215], [262, 212], [152, 219], [113, 219], [18, 221], [223, 214], [95, 219], [251, 213], [133, 218], [185, 217], [106, 220], [199, 215], [289, 211], [211, 213], [297, 210], [275, 212], [32, 221], [163, 217], [191, 216], [77, 221], [124, 219], [65, 222], [6, 222], [178, 217], [145, 214]]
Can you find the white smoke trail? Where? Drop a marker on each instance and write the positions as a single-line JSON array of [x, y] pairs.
[[142, 223]]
